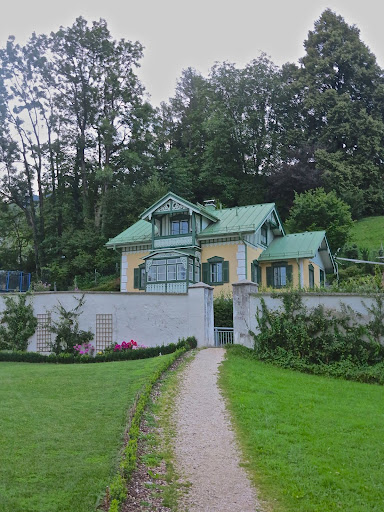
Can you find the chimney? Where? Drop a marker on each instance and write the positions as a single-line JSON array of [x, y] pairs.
[[210, 204]]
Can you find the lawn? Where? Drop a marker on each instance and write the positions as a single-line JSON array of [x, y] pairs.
[[368, 232], [312, 444], [61, 429]]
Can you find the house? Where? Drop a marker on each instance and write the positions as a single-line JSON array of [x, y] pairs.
[[177, 243]]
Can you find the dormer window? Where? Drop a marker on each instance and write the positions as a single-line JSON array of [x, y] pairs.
[[179, 227]]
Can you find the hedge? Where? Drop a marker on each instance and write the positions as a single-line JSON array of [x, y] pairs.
[[123, 355]]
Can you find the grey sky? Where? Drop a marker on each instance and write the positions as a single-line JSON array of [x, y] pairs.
[[196, 33]]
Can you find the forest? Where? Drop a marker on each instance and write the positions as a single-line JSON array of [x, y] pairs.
[[83, 152]]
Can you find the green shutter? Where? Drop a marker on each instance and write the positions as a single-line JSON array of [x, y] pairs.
[[269, 276], [289, 275], [255, 272], [205, 273], [311, 276], [253, 269], [142, 276], [136, 278], [225, 271]]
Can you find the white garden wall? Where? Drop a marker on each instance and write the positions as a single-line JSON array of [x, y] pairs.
[[149, 318], [247, 300]]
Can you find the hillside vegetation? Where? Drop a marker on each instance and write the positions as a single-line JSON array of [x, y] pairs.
[[85, 152], [368, 232]]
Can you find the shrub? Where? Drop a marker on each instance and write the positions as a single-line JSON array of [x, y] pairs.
[[106, 356], [223, 310], [66, 328], [18, 323], [302, 338]]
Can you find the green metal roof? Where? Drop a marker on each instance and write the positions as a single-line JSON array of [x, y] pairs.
[[138, 233], [240, 219], [297, 245]]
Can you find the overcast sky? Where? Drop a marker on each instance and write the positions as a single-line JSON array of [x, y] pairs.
[[178, 34]]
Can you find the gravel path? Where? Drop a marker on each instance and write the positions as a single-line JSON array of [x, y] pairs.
[[205, 449]]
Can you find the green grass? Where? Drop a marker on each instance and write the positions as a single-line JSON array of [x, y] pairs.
[[61, 429], [312, 444], [368, 233]]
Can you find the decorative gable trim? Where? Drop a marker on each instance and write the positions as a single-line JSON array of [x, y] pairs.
[[173, 203]]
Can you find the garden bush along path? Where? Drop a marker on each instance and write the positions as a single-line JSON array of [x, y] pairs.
[[205, 450]]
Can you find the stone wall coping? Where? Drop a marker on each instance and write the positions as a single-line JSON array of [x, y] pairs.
[[244, 282], [200, 285], [319, 294]]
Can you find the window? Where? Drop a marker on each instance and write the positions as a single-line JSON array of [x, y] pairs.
[[311, 276], [166, 270], [264, 235], [322, 278], [179, 227], [216, 271], [190, 271], [255, 272], [172, 269], [197, 271], [279, 275]]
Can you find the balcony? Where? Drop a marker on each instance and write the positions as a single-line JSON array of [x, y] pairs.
[[161, 242], [178, 287]]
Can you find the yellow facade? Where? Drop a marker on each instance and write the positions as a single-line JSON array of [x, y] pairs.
[[229, 253], [298, 267], [252, 253], [316, 270], [295, 272], [133, 259]]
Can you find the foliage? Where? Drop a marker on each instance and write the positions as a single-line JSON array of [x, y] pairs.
[[66, 328], [39, 286], [358, 283], [18, 322], [376, 323], [130, 345], [317, 210], [369, 232], [223, 310], [84, 349], [104, 284], [74, 113], [341, 86], [319, 336]]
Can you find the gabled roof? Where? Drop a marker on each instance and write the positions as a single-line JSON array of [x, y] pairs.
[[138, 233], [226, 221], [240, 219], [197, 208], [297, 245]]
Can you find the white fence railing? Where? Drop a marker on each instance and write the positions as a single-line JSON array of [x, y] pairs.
[[223, 336]]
